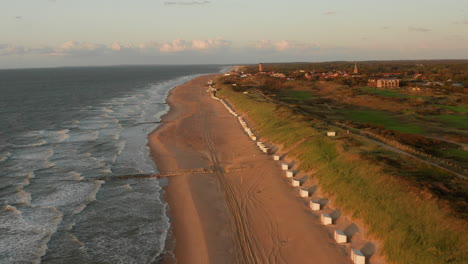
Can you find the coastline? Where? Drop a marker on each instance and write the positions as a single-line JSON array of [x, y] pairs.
[[243, 212]]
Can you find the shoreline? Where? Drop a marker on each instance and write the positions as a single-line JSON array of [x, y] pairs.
[[243, 212]]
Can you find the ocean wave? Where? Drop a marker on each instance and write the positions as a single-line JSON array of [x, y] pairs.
[[107, 110], [83, 136], [35, 144], [11, 208], [62, 135], [28, 236], [33, 154], [97, 139], [5, 156], [76, 176]]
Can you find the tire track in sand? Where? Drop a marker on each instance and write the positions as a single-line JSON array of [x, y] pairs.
[[250, 201], [246, 246]]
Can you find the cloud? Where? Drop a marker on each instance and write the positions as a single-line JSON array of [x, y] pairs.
[[174, 46], [418, 29], [284, 45], [385, 28], [280, 45], [329, 13], [180, 45], [186, 3], [18, 50], [18, 17], [76, 48], [86, 49]]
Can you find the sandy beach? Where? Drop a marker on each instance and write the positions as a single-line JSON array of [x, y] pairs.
[[245, 211]]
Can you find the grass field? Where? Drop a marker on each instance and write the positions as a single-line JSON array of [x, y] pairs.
[[381, 118], [414, 228], [458, 108], [457, 154], [297, 95], [457, 121], [385, 92]]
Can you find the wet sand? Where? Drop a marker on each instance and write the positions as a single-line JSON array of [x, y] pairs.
[[245, 211]]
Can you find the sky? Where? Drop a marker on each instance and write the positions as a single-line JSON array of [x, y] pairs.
[[54, 33]]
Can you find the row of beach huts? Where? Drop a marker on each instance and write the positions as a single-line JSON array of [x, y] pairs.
[[340, 237]]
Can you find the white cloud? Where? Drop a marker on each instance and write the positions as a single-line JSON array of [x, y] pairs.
[[281, 45], [174, 46], [76, 48], [180, 45], [208, 44], [284, 45], [6, 49]]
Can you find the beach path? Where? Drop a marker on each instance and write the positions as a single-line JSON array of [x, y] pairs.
[[245, 211]]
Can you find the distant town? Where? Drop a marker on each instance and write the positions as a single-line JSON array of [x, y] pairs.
[[416, 76]]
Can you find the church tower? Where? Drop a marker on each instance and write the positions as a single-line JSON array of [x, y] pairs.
[[355, 69], [260, 67]]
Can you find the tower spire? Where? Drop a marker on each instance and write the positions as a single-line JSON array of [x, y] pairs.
[[355, 69]]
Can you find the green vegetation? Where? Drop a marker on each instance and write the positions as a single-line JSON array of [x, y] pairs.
[[414, 228], [381, 118], [384, 92], [457, 154], [457, 121], [326, 92], [458, 108], [297, 95]]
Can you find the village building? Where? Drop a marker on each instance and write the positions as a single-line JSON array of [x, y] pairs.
[[384, 83]]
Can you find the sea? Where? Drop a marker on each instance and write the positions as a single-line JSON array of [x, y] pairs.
[[62, 130]]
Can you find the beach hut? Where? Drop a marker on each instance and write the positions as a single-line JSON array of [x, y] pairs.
[[340, 237], [296, 182], [314, 205], [289, 174], [284, 166], [276, 157], [357, 257], [331, 133], [326, 219], [303, 192]]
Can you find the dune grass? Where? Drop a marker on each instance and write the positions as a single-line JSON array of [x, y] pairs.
[[414, 229]]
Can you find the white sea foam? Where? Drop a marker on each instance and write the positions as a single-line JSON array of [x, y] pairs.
[[26, 242], [75, 176], [68, 194], [36, 144], [108, 110], [5, 156], [12, 209], [33, 154], [62, 135], [83, 136]]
